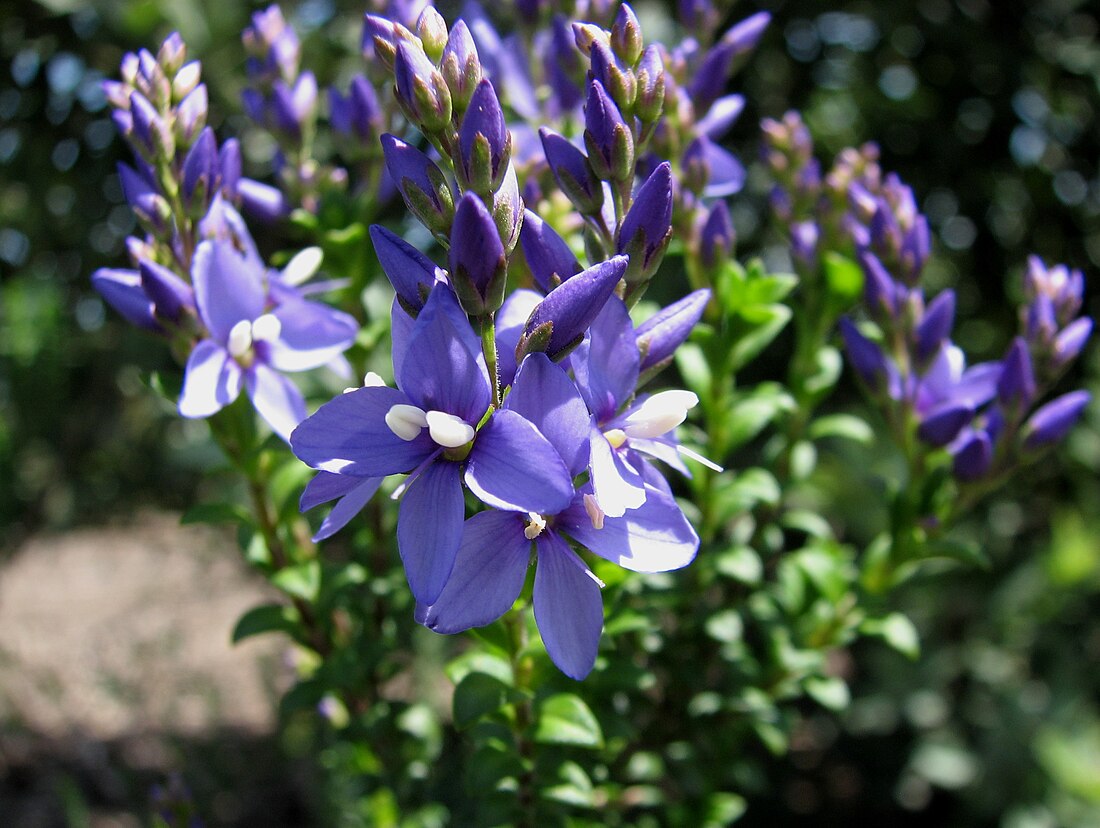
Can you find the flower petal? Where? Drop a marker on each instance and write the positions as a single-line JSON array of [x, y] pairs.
[[401, 328], [228, 287], [311, 335], [617, 486], [510, 320], [349, 435], [429, 529], [606, 362], [512, 466], [211, 380], [488, 574], [544, 395], [356, 491], [276, 398], [568, 607], [655, 537], [443, 368]]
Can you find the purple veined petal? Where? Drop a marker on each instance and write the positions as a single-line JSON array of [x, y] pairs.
[[429, 529], [275, 398], [512, 466], [311, 334], [943, 424], [727, 174], [617, 487], [568, 607], [261, 200], [349, 435], [349, 504], [211, 380], [121, 289], [326, 486], [510, 321], [443, 368], [1053, 421], [660, 335], [488, 574], [655, 537], [572, 305], [168, 292], [544, 395], [228, 287], [722, 115], [549, 257], [606, 363]]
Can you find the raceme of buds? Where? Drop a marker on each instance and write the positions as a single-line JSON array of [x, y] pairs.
[[485, 145], [478, 263]]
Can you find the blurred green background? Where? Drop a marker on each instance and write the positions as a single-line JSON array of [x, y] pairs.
[[990, 110]]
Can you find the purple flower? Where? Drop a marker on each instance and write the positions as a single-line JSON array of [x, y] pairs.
[[359, 114], [647, 228], [935, 327], [350, 493], [249, 342], [122, 290], [1016, 387], [426, 427], [494, 552], [709, 79]]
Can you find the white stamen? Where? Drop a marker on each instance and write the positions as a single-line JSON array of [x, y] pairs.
[[240, 338], [660, 414], [448, 430], [406, 421], [349, 390], [592, 575], [698, 458], [372, 380], [302, 266], [266, 328], [535, 527], [595, 513]]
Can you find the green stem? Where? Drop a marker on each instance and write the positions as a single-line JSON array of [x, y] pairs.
[[524, 718], [489, 348]]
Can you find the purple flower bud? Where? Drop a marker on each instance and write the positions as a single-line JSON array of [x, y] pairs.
[[358, 114], [191, 115], [626, 35], [936, 326], [718, 65], [412, 274], [563, 65], [141, 194], [558, 322], [1063, 286], [201, 169], [609, 140], [148, 128], [942, 425], [804, 238], [1068, 343], [172, 53], [121, 289], [718, 237], [380, 38], [695, 168], [1016, 387], [573, 172], [650, 74], [229, 160], [484, 143], [261, 200], [186, 80], [1041, 324], [866, 358], [421, 89], [431, 28], [170, 295], [720, 117], [1053, 421], [915, 248], [647, 228], [973, 459], [617, 80], [548, 256], [421, 183], [660, 335], [460, 66], [294, 108], [508, 210], [477, 261], [880, 291]]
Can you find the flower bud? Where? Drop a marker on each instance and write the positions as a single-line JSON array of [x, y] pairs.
[[626, 35], [191, 116], [943, 424], [421, 90], [650, 74], [647, 228], [660, 335], [607, 136], [573, 172], [412, 274], [617, 79], [1016, 387], [201, 171], [186, 79], [1053, 421], [484, 143], [974, 458], [421, 183], [431, 28], [1069, 342], [460, 66], [718, 237], [478, 263], [170, 295], [548, 256], [508, 210], [171, 54], [935, 327], [866, 358]]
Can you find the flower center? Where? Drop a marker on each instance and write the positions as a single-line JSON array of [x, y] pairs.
[[246, 333], [535, 525], [447, 430]]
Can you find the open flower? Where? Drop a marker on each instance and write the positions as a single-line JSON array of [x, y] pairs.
[[431, 428]]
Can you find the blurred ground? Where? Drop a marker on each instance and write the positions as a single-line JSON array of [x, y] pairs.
[[117, 674]]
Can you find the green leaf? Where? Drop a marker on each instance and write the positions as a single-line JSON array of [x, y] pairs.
[[479, 661], [575, 789], [724, 809], [300, 580], [900, 633], [828, 691], [967, 553], [564, 719], [216, 513], [479, 694], [844, 278], [750, 488], [266, 618], [803, 459], [829, 364], [842, 426], [694, 367], [725, 626], [740, 563], [770, 289], [766, 323], [751, 414]]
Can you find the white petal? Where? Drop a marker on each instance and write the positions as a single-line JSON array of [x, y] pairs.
[[302, 266], [660, 413]]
